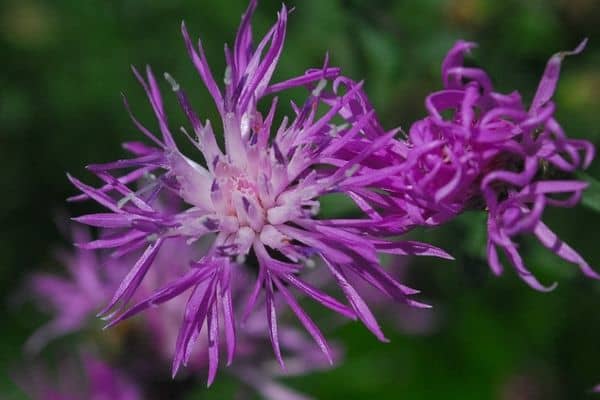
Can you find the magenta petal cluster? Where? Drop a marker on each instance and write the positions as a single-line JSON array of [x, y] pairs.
[[481, 149], [84, 379], [257, 200], [72, 299], [238, 226]]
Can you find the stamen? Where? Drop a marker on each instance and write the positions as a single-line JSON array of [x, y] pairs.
[[319, 88], [227, 77], [315, 208], [352, 170], [172, 82], [129, 197]]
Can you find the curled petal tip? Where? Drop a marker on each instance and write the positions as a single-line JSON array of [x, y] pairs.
[[329, 359], [545, 289], [580, 47], [552, 287]]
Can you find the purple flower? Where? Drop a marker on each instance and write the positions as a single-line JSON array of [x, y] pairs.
[[257, 201], [73, 298], [88, 378], [480, 149]]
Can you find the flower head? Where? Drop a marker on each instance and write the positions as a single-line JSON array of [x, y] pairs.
[[83, 379], [74, 298], [258, 200], [482, 149]]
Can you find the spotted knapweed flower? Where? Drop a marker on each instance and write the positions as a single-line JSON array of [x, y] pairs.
[[73, 298], [481, 149], [258, 200], [84, 378]]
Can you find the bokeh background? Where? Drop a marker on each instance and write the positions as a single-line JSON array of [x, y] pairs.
[[63, 64]]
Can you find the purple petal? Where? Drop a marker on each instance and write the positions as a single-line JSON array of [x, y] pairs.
[[547, 85], [213, 343], [359, 305], [132, 280], [550, 240], [310, 326]]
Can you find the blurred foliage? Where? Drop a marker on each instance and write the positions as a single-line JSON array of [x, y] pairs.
[[64, 64]]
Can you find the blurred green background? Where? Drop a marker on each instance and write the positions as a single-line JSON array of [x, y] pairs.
[[63, 64]]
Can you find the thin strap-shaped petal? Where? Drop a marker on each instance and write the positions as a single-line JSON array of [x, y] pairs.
[[263, 134], [153, 160], [320, 296], [118, 240], [194, 317], [455, 58], [314, 241], [303, 80], [128, 194], [493, 259], [129, 247], [229, 323], [155, 99], [272, 320], [95, 194], [172, 289], [409, 247], [139, 125], [213, 343], [106, 220], [260, 78], [203, 68], [308, 323], [256, 290], [242, 46], [547, 85], [356, 128], [516, 260], [359, 305], [128, 178], [550, 240], [381, 279], [134, 277]]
